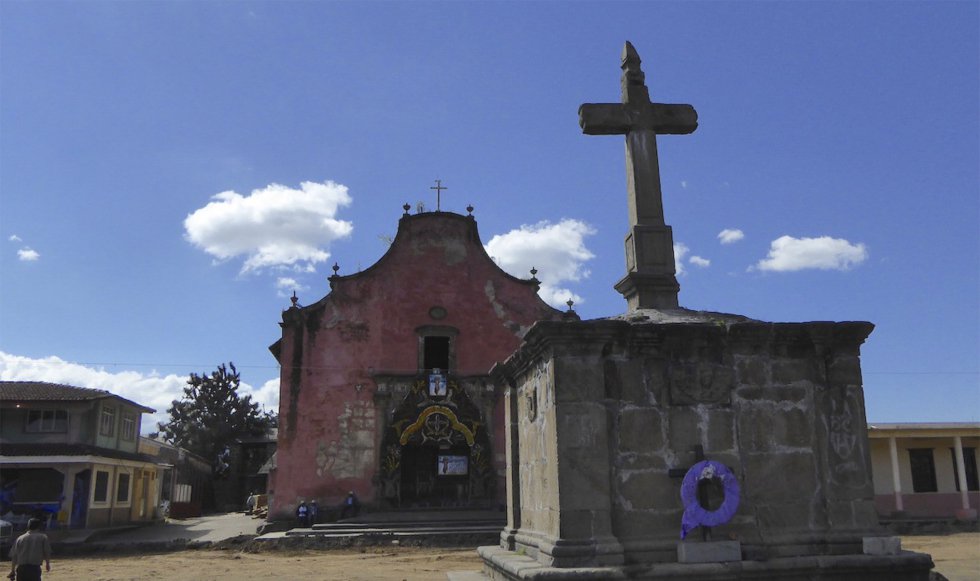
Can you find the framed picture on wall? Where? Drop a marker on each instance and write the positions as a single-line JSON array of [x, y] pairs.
[[452, 465], [437, 383]]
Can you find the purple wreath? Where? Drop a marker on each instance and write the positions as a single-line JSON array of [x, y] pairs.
[[696, 515]]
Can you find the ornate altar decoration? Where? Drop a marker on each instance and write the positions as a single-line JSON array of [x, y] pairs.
[[445, 417]]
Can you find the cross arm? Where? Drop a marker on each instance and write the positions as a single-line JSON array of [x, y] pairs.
[[603, 119], [673, 119], [619, 119]]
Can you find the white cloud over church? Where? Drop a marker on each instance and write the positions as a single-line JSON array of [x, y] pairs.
[[273, 227], [556, 250], [787, 254]]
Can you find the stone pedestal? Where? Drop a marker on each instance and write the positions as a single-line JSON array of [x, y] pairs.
[[602, 412], [882, 545], [709, 552]]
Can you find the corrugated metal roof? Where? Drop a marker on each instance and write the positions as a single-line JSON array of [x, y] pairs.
[[44, 391], [40, 450], [925, 426]]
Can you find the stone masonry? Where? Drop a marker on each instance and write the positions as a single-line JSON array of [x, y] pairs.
[[601, 411]]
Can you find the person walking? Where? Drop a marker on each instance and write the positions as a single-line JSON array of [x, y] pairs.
[[27, 553]]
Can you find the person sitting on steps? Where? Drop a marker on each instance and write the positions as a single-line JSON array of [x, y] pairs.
[[351, 506]]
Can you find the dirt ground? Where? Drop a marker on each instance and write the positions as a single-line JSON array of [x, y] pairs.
[[957, 556], [365, 564]]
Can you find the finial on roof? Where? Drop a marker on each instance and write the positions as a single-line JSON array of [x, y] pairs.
[[534, 271], [570, 314], [295, 300], [407, 207], [469, 209]]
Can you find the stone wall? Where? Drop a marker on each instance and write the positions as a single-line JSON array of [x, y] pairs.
[[603, 410]]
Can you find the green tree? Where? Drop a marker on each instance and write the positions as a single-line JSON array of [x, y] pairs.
[[211, 414]]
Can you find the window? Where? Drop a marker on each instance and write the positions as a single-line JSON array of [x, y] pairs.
[[437, 349], [923, 470], [47, 421], [122, 487], [101, 486], [128, 427], [970, 463], [107, 427], [435, 353]]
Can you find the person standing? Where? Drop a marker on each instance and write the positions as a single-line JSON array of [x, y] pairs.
[[314, 512], [28, 551]]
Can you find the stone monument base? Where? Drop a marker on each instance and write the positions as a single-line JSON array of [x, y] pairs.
[[709, 552], [501, 564]]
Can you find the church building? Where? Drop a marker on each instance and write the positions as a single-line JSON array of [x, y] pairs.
[[385, 386]]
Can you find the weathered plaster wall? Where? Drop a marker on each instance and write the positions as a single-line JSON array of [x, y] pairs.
[[780, 404], [333, 352]]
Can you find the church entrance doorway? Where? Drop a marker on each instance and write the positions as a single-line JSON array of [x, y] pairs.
[[435, 476], [436, 450]]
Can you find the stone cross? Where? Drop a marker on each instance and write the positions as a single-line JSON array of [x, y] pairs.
[[438, 188], [650, 282]]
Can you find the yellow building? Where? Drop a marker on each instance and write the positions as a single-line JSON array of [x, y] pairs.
[[926, 470]]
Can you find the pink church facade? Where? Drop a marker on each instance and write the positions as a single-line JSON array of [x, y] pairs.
[[385, 386]]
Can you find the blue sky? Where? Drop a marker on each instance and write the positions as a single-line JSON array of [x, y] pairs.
[[171, 171]]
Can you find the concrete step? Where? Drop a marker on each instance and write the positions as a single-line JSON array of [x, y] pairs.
[[397, 525], [396, 532]]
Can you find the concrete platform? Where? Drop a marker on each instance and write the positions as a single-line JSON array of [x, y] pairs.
[[501, 564], [439, 527]]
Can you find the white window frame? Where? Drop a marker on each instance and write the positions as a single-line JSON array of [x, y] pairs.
[[95, 487], [129, 488], [128, 430], [107, 428]]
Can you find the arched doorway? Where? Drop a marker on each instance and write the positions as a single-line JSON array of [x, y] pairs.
[[436, 450]]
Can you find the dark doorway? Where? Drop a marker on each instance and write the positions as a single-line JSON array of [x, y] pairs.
[[435, 476], [923, 470], [79, 500]]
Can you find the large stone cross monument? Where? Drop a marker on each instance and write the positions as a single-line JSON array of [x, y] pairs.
[[650, 282], [603, 416]]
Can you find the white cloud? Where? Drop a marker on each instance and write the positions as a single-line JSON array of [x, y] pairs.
[[275, 226], [14, 238], [684, 184], [557, 250], [698, 261], [680, 251], [149, 389], [825, 253], [28, 254], [286, 285], [730, 236]]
